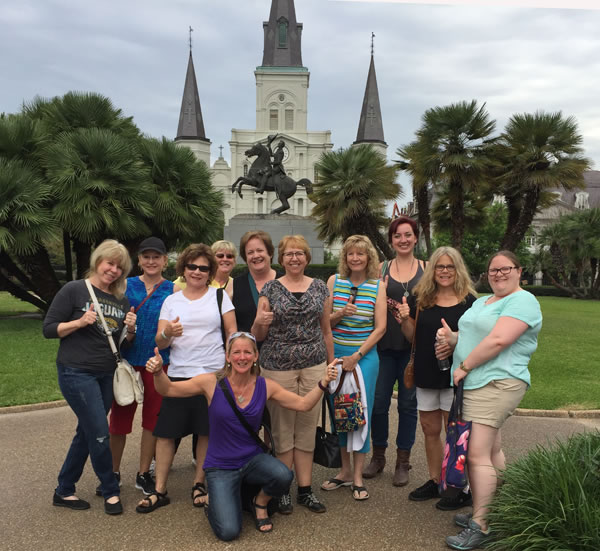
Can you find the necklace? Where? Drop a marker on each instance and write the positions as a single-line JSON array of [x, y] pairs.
[[240, 397], [405, 287]]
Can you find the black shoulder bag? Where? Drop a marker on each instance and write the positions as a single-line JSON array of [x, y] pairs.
[[327, 447]]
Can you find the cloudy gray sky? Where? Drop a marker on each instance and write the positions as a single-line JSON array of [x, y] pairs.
[[513, 59]]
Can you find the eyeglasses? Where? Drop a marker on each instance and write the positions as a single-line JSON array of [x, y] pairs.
[[194, 267], [450, 268], [353, 293], [238, 334], [225, 255], [291, 254], [505, 270]]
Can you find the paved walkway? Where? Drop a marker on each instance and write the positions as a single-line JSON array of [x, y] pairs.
[[34, 444]]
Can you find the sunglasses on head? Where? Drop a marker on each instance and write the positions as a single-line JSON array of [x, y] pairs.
[[224, 255], [194, 267], [238, 334]]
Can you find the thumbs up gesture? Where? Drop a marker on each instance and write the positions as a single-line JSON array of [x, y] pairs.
[[404, 309], [174, 328], [89, 317], [445, 335], [155, 363], [130, 320], [264, 316]]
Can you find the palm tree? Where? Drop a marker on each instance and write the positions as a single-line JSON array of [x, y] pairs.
[[538, 153], [454, 151], [351, 194]]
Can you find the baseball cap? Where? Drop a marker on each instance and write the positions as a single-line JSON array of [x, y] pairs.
[[152, 244]]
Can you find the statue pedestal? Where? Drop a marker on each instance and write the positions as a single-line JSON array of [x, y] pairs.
[[277, 226]]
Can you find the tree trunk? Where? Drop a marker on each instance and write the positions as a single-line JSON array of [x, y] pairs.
[[422, 199], [513, 211], [515, 235], [83, 252], [457, 209], [68, 256], [20, 293], [14, 271], [42, 274], [558, 261]]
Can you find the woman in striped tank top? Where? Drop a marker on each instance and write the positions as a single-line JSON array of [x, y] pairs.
[[358, 321]]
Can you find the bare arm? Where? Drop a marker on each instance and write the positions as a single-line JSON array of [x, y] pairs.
[[229, 323]]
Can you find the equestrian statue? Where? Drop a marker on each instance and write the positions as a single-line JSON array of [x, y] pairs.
[[268, 174]]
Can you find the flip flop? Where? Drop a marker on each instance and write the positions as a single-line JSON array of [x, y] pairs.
[[357, 490], [337, 483]]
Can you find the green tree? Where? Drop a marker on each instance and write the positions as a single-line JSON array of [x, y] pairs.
[[351, 194], [537, 152]]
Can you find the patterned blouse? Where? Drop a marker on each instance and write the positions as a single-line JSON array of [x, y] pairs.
[[354, 330], [295, 339]]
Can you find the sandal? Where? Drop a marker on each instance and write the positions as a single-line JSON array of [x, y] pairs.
[[201, 489], [161, 501], [260, 522], [357, 490], [337, 483]]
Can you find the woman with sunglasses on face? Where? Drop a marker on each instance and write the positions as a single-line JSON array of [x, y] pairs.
[[233, 455], [494, 343], [190, 323], [444, 292], [358, 321], [293, 321]]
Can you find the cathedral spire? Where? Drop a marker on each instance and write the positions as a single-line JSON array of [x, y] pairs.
[[191, 126], [282, 36], [370, 126]]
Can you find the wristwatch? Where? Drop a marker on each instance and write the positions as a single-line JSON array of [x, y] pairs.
[[463, 367]]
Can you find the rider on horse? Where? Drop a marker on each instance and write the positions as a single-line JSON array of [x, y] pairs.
[[276, 167]]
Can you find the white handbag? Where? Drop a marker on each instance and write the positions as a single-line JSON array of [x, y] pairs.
[[127, 382]]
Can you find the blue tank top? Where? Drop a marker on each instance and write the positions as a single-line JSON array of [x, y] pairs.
[[230, 446]]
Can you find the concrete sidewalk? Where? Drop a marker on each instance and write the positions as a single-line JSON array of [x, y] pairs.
[[34, 445]]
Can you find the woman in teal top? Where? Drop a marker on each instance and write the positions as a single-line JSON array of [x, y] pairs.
[[494, 343], [358, 321]]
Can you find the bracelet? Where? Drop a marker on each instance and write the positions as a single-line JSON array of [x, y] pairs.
[[162, 334], [463, 367], [360, 353], [323, 388], [130, 332]]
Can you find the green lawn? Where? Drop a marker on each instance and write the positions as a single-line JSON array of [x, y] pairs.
[[564, 370]]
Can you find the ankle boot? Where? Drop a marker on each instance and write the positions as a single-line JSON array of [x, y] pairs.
[[377, 463], [402, 468]]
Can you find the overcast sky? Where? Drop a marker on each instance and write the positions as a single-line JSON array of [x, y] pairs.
[[513, 59]]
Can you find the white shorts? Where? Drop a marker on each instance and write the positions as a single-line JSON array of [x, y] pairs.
[[432, 399]]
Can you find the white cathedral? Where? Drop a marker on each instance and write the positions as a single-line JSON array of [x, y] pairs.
[[281, 108]]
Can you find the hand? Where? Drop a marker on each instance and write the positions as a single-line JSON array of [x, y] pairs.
[[89, 317], [155, 363], [458, 376], [174, 328], [445, 335], [349, 309], [130, 320], [331, 372], [403, 309], [442, 351], [349, 362], [264, 316]]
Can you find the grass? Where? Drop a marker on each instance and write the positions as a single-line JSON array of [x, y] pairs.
[[564, 369]]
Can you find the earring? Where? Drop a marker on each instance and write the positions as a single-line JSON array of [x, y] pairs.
[[255, 364], [228, 365]]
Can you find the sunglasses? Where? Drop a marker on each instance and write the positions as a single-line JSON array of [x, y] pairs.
[[225, 255], [353, 293], [238, 334], [194, 267]]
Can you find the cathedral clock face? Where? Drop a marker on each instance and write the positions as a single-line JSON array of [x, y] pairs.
[[286, 153]]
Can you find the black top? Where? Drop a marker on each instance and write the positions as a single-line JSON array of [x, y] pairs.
[[245, 307], [427, 371]]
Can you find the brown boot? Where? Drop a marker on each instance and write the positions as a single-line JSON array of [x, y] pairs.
[[402, 468], [377, 463]]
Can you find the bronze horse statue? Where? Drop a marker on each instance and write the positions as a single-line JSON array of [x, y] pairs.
[[283, 186]]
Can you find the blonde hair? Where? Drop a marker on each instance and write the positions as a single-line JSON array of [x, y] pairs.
[[223, 245], [110, 249], [297, 241], [227, 368], [426, 289], [363, 244]]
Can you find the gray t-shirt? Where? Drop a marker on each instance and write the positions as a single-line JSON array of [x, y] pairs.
[[85, 348]]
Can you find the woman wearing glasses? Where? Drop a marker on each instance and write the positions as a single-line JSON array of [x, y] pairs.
[[445, 292], [358, 321], [190, 323], [233, 455], [495, 340], [293, 321]]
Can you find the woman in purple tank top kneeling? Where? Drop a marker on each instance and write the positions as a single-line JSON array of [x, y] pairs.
[[233, 456]]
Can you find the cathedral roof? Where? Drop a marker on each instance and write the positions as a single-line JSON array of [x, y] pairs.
[[370, 126], [282, 36], [191, 126]]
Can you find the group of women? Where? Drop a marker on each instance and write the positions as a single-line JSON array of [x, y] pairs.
[[206, 331]]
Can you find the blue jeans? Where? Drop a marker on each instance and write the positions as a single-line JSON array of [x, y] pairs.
[[391, 369], [224, 486], [90, 394]]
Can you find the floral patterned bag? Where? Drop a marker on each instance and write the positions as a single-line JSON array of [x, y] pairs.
[[347, 408], [453, 477]]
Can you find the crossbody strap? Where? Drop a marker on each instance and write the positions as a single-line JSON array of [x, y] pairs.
[[343, 376], [108, 334], [240, 416], [148, 295], [220, 305], [413, 346]]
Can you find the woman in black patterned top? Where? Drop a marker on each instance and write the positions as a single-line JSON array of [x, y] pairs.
[[293, 321]]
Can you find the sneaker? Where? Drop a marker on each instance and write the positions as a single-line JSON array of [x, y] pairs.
[[285, 506], [462, 519], [99, 487], [311, 502], [429, 490], [459, 501], [470, 538], [145, 482]]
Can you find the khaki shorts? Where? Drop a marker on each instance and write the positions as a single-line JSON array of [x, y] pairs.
[[493, 403], [295, 429]]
